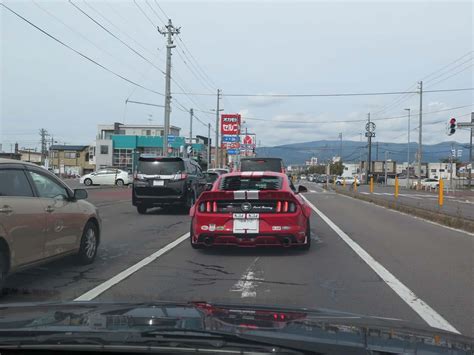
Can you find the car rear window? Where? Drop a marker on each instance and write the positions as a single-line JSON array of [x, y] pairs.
[[234, 183], [160, 166], [261, 165]]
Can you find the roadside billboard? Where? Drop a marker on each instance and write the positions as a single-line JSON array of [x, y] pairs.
[[230, 124]]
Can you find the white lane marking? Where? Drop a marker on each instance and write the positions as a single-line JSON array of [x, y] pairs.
[[247, 285], [312, 191], [428, 314], [96, 291]]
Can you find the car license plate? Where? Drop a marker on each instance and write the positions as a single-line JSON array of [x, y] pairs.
[[158, 183], [246, 223]]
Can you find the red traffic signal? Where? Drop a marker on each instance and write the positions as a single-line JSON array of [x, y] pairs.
[[452, 126]]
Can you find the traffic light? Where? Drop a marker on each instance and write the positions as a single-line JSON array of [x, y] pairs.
[[452, 126]]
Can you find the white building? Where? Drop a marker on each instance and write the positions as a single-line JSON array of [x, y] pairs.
[[116, 143], [312, 162], [441, 170], [350, 169]]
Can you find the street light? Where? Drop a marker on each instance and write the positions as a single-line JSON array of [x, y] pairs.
[[408, 150]]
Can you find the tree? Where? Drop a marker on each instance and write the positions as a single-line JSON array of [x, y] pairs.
[[337, 168], [317, 169]]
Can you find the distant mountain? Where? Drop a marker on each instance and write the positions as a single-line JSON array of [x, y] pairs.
[[352, 151]]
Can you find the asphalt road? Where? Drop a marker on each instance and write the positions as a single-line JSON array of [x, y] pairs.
[[364, 259], [455, 204]]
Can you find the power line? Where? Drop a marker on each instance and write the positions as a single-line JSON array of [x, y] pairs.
[[449, 77], [162, 11], [116, 37], [407, 96], [79, 53], [144, 14], [117, 28], [447, 65], [325, 95], [82, 36], [448, 71], [352, 121]]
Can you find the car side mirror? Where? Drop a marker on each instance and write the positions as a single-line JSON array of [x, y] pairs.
[[302, 189], [80, 194]]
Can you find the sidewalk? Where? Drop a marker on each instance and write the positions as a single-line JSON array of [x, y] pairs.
[[459, 204]]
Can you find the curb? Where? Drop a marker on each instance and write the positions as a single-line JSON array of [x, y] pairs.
[[441, 218]]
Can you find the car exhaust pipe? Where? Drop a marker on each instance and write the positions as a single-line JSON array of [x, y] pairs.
[[208, 241], [286, 242]]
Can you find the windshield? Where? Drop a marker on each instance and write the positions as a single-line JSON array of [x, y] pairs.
[[261, 165], [159, 167], [246, 161], [233, 183]]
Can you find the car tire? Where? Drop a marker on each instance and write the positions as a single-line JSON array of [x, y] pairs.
[[3, 269], [89, 244], [307, 246], [194, 246], [119, 182], [88, 182], [190, 200], [141, 209]]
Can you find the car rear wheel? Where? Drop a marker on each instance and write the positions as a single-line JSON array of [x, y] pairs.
[[141, 209], [119, 182], [89, 244], [191, 234], [3, 269], [307, 246], [88, 182]]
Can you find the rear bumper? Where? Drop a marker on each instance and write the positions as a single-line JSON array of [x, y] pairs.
[[274, 230], [142, 200], [250, 241]]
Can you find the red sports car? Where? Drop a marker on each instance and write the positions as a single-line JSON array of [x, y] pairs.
[[251, 209]]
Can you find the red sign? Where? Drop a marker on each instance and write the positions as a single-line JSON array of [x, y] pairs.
[[230, 124], [235, 145], [247, 140]]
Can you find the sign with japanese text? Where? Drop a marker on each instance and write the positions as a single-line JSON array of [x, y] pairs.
[[230, 124]]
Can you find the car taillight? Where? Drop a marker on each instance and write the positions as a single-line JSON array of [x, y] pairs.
[[208, 207], [285, 207], [180, 176]]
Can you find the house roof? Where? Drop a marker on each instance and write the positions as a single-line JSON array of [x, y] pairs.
[[68, 147]]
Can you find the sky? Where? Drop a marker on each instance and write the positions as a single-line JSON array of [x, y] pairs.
[[244, 47]]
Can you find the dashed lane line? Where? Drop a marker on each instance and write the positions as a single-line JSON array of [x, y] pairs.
[[98, 290], [428, 314]]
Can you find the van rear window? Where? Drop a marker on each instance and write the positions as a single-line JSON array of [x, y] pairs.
[[157, 166], [234, 183]]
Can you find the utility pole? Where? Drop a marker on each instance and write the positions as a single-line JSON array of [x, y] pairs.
[[408, 150], [217, 129], [43, 134], [420, 136], [470, 151], [385, 168], [208, 145], [377, 151], [340, 146], [169, 31], [191, 113], [369, 159], [451, 156]]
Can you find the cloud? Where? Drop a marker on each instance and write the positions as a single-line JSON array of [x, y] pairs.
[[263, 101]]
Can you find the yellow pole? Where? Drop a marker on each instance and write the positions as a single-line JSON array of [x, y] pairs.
[[334, 183], [441, 193], [355, 184], [396, 186], [344, 182], [371, 184]]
